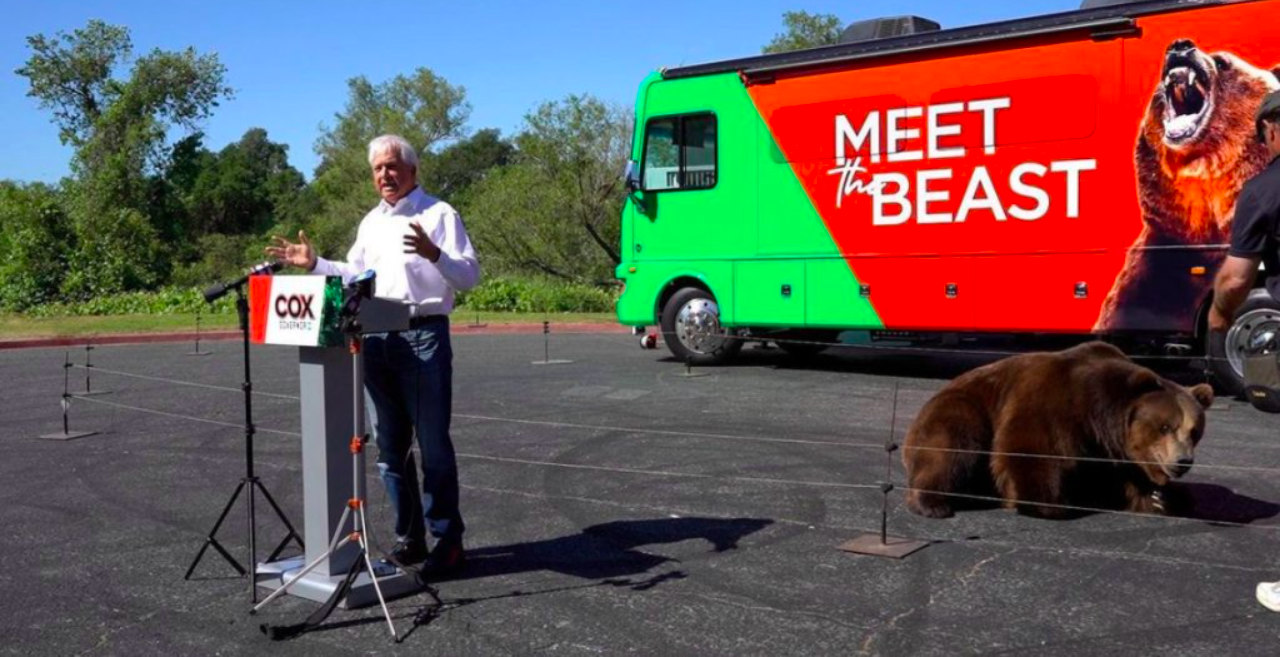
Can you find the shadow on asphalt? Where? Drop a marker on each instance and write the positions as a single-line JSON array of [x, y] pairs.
[[1214, 503], [609, 550]]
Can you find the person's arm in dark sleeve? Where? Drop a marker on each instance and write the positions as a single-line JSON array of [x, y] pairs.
[[1250, 230]]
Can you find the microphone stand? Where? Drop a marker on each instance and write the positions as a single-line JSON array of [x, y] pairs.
[[250, 479]]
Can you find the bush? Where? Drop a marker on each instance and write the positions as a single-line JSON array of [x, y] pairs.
[[169, 301], [115, 253], [222, 258], [34, 233], [534, 295]]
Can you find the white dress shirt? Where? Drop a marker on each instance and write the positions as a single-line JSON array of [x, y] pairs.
[[408, 277]]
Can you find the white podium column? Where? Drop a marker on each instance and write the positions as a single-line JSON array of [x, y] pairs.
[[325, 381]]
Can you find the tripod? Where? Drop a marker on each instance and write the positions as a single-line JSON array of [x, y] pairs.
[[249, 480], [359, 534]]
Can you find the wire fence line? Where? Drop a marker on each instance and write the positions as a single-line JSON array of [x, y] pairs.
[[827, 485], [1086, 509], [781, 338], [501, 459], [180, 416], [179, 382], [964, 540], [881, 486], [718, 436]]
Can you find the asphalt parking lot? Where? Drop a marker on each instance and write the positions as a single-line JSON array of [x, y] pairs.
[[613, 506]]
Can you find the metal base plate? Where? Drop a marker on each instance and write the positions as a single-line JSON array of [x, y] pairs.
[[71, 435], [395, 583], [693, 375], [892, 547], [551, 362], [199, 353]]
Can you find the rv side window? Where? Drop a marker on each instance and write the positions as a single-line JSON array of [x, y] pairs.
[[680, 153]]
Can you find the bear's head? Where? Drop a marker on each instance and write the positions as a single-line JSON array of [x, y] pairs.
[[1198, 138], [1165, 423], [1205, 102]]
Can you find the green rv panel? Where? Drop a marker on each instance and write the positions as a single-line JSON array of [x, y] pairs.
[[755, 209], [769, 292]]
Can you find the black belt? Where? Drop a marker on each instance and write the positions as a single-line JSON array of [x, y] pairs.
[[423, 320]]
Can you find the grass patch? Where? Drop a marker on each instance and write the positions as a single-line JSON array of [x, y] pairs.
[[22, 326]]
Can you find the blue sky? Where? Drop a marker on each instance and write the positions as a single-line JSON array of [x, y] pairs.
[[289, 61]]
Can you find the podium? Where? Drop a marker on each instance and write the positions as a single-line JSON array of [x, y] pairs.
[[306, 312]]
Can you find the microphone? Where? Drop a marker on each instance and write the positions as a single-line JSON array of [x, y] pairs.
[[216, 292]]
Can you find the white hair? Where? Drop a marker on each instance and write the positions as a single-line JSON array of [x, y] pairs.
[[396, 143]]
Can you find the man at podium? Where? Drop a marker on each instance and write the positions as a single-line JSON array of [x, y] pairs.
[[419, 249]]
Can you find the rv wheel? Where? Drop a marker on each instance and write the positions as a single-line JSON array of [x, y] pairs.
[[1255, 329], [691, 327]]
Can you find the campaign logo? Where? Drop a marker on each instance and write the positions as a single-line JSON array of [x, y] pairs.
[[295, 311], [939, 132]]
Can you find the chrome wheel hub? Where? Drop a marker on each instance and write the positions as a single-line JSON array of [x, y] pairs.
[[1254, 332], [698, 326]]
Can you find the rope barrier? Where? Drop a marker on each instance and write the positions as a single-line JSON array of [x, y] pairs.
[[986, 541], [783, 340], [1087, 509], [179, 382], [483, 457], [179, 416], [662, 473], [781, 441], [716, 436], [1116, 554]]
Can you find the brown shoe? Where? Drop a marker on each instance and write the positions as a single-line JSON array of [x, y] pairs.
[[446, 559]]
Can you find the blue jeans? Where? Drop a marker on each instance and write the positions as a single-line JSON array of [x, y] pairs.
[[409, 390]]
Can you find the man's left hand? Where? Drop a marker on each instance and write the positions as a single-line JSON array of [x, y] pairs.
[[1218, 321], [420, 244]]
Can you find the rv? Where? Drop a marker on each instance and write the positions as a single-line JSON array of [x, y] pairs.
[[1071, 174]]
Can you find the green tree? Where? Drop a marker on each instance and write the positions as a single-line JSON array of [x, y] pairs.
[[117, 121], [804, 30], [450, 173], [238, 190], [35, 239], [555, 209]]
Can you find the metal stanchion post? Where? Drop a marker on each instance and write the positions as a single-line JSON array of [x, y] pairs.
[[197, 351], [88, 370], [67, 433], [546, 348], [881, 544], [688, 370]]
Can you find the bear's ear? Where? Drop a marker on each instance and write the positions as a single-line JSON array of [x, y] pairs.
[[1143, 380], [1203, 394]]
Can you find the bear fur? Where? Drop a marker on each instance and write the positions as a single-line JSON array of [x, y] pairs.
[[1196, 148], [987, 433]]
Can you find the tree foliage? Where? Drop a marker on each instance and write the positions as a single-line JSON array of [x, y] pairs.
[[802, 29], [239, 189], [556, 209], [149, 205], [35, 236], [117, 122], [452, 172]]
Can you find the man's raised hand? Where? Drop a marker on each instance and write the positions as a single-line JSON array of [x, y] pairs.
[[298, 255], [420, 244]]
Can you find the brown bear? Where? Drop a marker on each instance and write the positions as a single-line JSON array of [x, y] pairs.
[[1196, 148], [1082, 427]]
